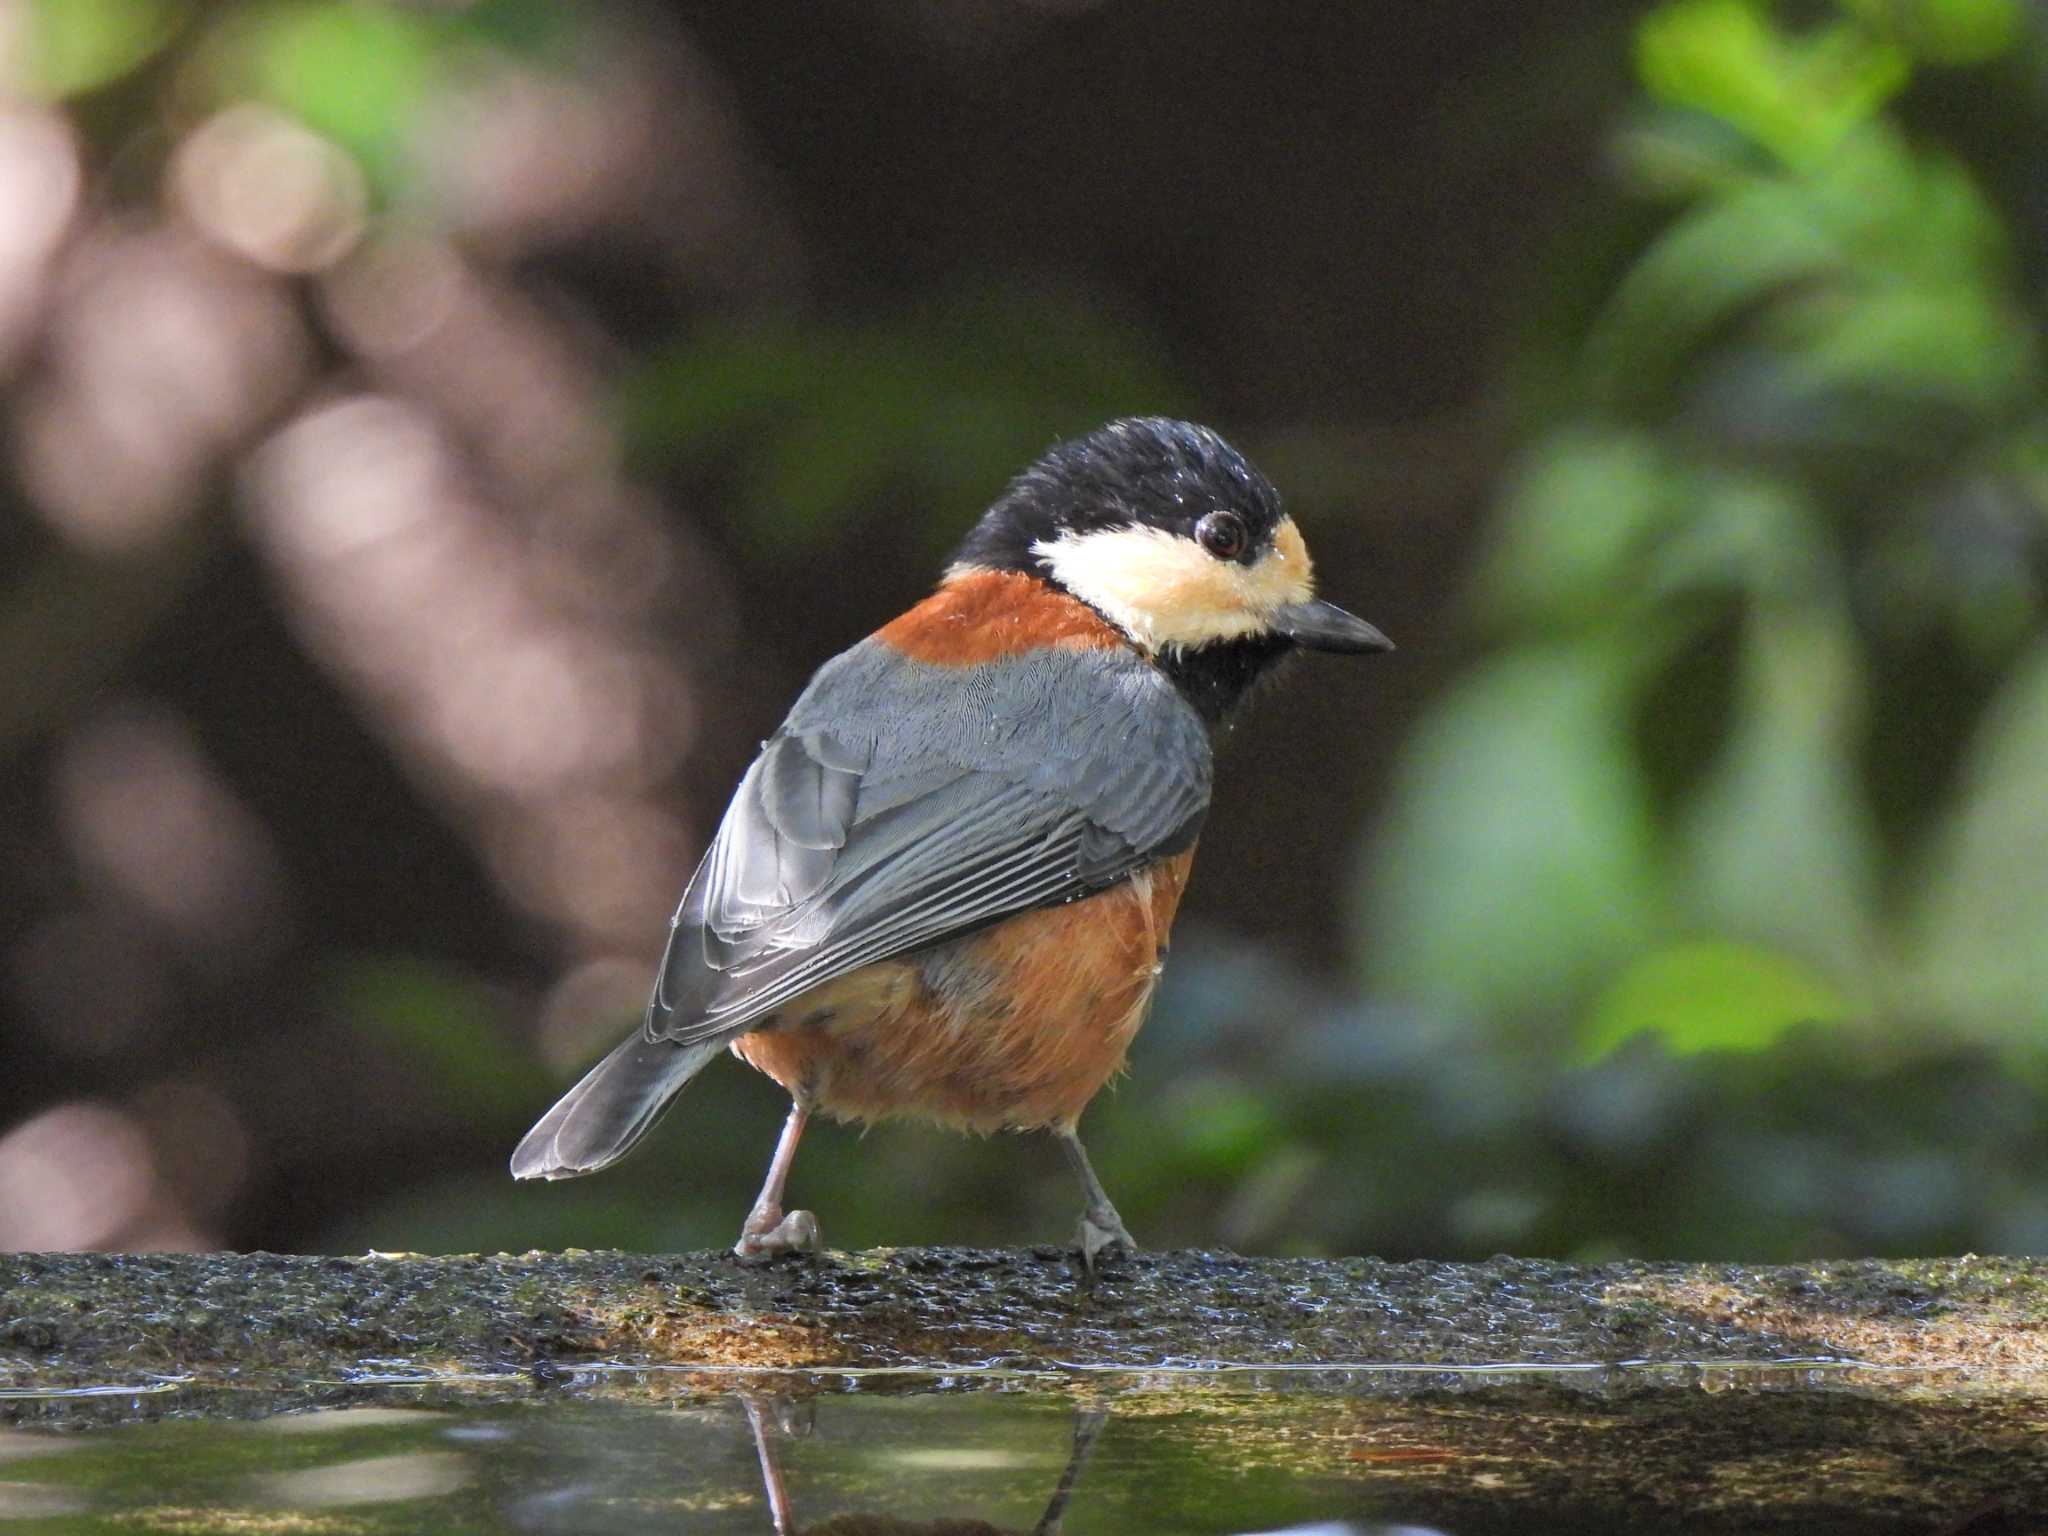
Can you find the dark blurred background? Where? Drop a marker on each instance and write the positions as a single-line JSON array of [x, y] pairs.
[[440, 438]]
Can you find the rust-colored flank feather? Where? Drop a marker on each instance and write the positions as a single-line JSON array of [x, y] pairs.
[[979, 615], [1013, 1028]]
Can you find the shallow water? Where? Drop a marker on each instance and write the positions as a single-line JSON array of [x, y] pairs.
[[1335, 1453]]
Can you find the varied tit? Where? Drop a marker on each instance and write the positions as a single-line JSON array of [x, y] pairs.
[[945, 886]]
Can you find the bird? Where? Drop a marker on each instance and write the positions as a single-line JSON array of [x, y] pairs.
[[944, 887]]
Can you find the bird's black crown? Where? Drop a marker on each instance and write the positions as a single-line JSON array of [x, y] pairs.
[[1143, 470]]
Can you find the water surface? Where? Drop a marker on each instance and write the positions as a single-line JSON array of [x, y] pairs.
[[1206, 1453]]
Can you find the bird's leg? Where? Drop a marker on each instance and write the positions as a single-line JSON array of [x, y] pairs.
[[767, 1231], [771, 1469], [1101, 1227], [1088, 1424]]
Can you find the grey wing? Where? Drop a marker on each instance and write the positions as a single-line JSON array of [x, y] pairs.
[[904, 803]]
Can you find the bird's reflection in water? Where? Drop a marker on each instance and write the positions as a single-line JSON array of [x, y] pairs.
[[768, 1423]]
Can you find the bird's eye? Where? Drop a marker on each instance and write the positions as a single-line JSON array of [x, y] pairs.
[[1223, 534]]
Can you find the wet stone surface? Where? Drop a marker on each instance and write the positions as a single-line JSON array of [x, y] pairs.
[[924, 1307], [244, 1317], [78, 1315]]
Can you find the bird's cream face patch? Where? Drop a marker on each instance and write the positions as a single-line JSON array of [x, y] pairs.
[[1166, 591]]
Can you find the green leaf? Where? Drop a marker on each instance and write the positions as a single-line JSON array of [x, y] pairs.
[[1899, 212], [1518, 862], [1708, 997], [355, 73], [1779, 844], [78, 45], [1878, 273], [1575, 526], [1945, 31], [1742, 534], [1723, 258], [1796, 96], [1981, 926], [1955, 345]]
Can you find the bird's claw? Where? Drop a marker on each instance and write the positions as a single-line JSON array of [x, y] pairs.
[[1102, 1231], [769, 1234]]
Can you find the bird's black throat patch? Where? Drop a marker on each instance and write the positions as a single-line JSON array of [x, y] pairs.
[[1217, 678]]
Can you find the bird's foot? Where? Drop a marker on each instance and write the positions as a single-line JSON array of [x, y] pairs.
[[1102, 1231], [768, 1233]]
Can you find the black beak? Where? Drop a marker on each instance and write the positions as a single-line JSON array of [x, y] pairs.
[[1322, 626]]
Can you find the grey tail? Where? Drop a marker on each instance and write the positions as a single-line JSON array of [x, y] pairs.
[[619, 1100]]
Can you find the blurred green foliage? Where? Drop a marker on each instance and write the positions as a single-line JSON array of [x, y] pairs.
[[1365, 1128], [77, 45], [1784, 512], [443, 1027], [1709, 911], [358, 74], [941, 403], [1710, 915], [355, 73]]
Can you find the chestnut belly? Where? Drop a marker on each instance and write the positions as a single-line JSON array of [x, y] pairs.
[[1015, 1027]]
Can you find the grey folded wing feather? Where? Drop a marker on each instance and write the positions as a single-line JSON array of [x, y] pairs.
[[903, 803]]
